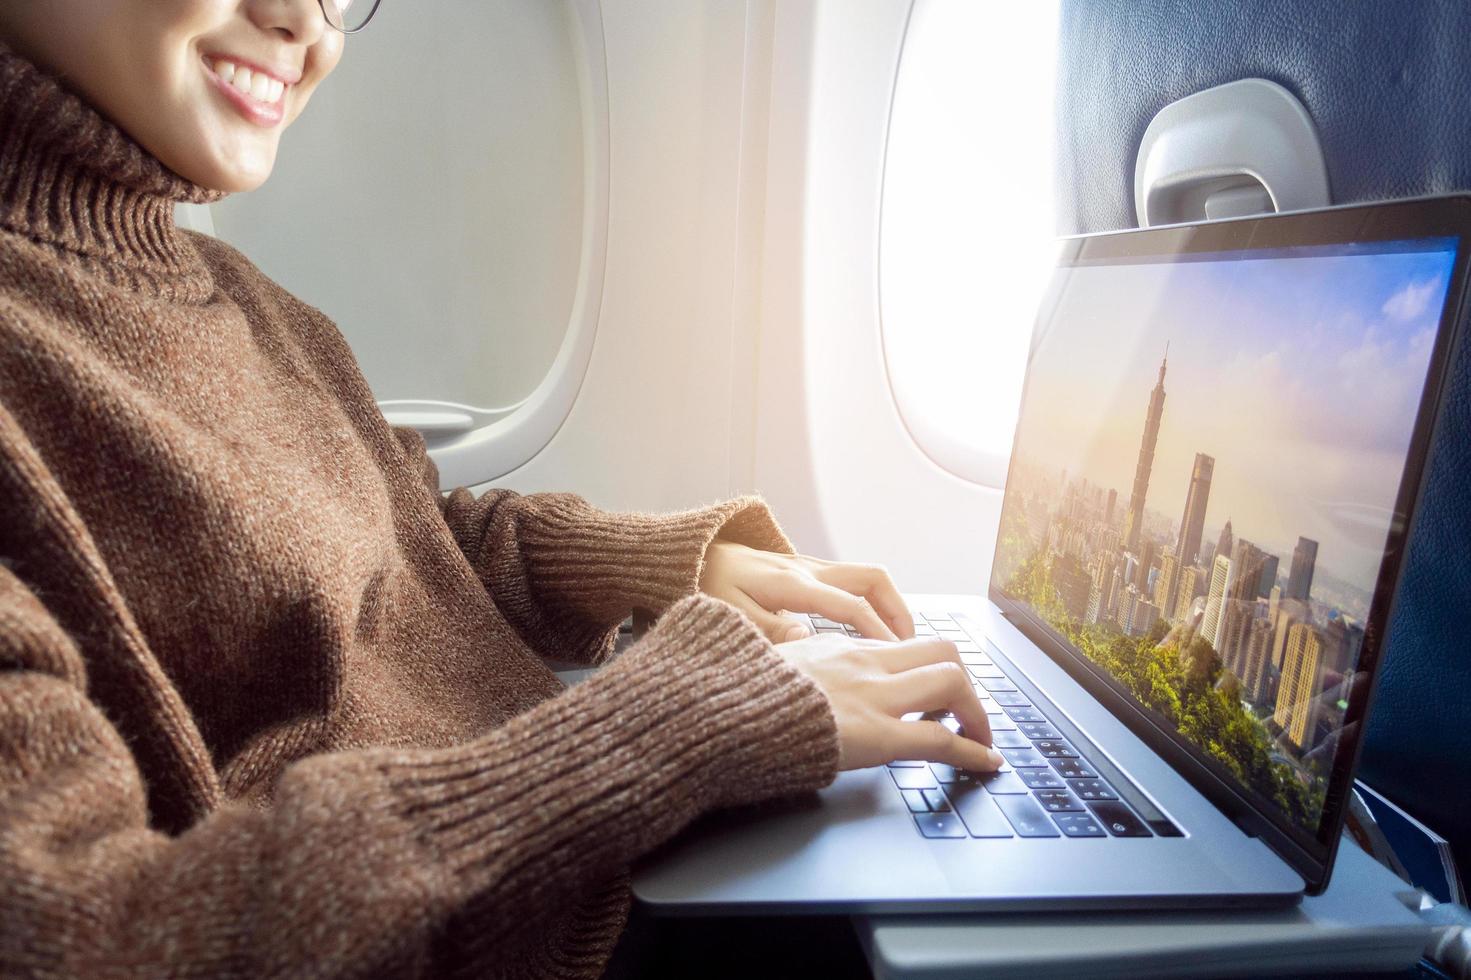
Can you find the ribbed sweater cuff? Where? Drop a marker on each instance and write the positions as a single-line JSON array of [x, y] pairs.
[[701, 713], [642, 561]]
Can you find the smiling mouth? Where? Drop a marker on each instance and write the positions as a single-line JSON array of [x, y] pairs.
[[254, 85]]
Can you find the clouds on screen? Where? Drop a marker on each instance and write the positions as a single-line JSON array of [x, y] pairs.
[[1301, 377]]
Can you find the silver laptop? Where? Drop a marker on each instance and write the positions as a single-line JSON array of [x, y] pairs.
[[1218, 453]]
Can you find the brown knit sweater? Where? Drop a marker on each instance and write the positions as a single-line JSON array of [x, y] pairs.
[[270, 704]]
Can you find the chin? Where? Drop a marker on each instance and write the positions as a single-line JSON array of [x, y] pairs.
[[227, 176]]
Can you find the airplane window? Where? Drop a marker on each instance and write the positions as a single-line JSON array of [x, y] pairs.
[[430, 200], [967, 223]]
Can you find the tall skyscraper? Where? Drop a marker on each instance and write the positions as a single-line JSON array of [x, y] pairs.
[[1214, 597], [1134, 519], [1146, 562], [1185, 593], [1225, 543], [1192, 525], [1072, 583], [1269, 577], [1300, 579], [1297, 701], [1258, 676], [1239, 601], [1113, 499], [1166, 583]]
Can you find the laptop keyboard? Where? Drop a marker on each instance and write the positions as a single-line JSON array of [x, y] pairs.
[[1048, 788]]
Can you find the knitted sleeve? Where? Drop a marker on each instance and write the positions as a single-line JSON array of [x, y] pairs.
[[565, 573], [363, 857]]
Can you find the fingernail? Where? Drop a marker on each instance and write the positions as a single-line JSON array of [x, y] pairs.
[[795, 633]]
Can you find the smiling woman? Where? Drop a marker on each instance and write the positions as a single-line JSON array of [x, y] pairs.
[[151, 69], [270, 703]]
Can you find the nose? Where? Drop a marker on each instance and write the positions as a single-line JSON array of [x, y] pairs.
[[300, 21]]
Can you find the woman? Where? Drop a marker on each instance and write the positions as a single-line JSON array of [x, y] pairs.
[[269, 702]]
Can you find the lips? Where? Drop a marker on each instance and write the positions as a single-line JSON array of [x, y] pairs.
[[256, 93]]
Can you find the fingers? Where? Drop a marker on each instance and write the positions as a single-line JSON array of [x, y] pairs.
[[872, 582], [933, 742], [841, 606], [943, 686], [920, 652], [778, 628]]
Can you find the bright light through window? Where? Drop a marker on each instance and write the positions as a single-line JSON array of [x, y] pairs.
[[965, 244]]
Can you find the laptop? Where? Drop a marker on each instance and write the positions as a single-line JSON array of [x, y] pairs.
[[1221, 438]]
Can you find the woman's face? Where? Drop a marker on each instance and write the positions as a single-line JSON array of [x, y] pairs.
[[159, 70]]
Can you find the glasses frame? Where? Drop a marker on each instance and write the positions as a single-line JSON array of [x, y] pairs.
[[344, 30]]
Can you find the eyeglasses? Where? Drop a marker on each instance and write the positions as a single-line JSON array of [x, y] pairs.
[[349, 16]]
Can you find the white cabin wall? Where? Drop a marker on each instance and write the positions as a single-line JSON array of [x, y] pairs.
[[655, 422], [739, 345]]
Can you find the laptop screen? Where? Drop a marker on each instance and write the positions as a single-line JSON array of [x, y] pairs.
[[1206, 471]]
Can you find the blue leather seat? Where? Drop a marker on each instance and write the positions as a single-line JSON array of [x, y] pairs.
[[1386, 85]]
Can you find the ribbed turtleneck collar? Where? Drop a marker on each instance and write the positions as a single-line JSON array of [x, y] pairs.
[[71, 179]]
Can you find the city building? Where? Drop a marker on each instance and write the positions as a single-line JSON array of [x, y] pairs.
[[1297, 691], [1192, 525], [1136, 613], [1289, 613], [1258, 675], [1214, 596], [1134, 518], [1239, 599], [1072, 583], [1269, 577], [1166, 583], [1190, 586], [1225, 543], [1300, 578]]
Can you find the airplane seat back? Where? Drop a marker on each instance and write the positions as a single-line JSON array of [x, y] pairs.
[[1385, 86]]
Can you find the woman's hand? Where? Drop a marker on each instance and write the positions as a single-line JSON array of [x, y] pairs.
[[871, 685], [765, 584]]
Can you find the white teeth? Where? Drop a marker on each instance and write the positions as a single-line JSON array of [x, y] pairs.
[[257, 85]]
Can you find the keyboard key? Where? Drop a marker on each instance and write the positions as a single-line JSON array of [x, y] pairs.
[[979, 813], [914, 799], [1038, 729], [924, 630], [969, 650], [1026, 816], [939, 825], [1055, 749], [942, 622], [1092, 789], [1058, 800], [987, 672], [1002, 783], [999, 722], [1040, 779], [1011, 699], [998, 683], [1010, 740], [1073, 769], [1078, 825], [1024, 713], [826, 624], [946, 773], [1119, 819], [935, 799], [1024, 758], [913, 778], [906, 763]]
